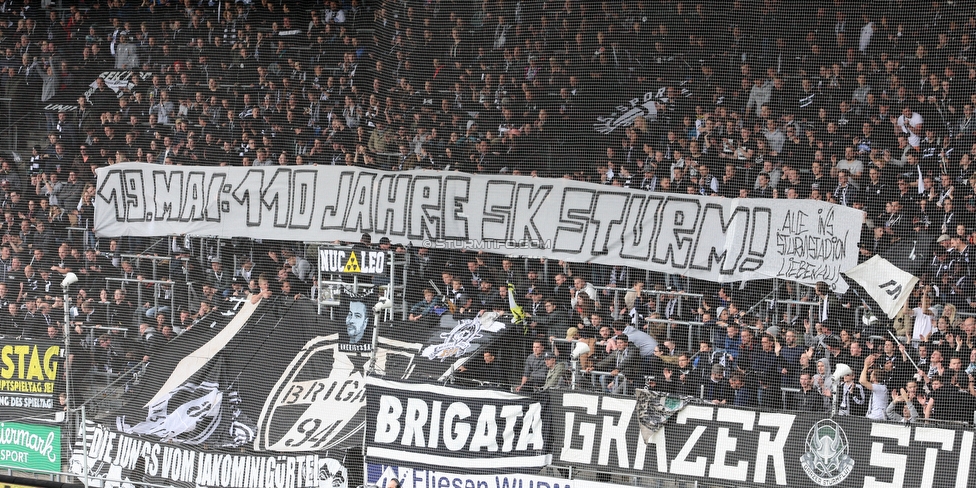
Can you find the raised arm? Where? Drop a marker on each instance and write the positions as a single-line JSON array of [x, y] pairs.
[[865, 382]]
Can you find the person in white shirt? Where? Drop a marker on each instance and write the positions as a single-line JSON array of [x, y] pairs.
[[909, 123], [879, 392], [582, 286], [924, 317]]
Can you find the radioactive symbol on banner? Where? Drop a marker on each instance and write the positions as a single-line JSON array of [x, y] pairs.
[[352, 265]]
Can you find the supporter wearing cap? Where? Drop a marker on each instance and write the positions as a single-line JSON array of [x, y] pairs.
[[555, 372], [721, 317], [572, 334]]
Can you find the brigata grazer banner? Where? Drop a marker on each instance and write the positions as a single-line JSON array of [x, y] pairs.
[[738, 447], [442, 428], [703, 237]]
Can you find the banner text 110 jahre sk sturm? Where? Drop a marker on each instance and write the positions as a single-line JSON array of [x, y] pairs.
[[709, 238]]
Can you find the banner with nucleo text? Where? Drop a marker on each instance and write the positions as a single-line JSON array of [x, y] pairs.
[[709, 238]]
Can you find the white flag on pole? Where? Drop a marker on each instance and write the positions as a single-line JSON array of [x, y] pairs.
[[886, 283]]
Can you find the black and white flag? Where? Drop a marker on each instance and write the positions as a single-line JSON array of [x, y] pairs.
[[886, 283]]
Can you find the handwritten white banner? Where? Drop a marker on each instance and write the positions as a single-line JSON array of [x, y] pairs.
[[703, 237]]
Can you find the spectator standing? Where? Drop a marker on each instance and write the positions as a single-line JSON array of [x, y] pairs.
[[871, 381], [623, 365], [535, 370]]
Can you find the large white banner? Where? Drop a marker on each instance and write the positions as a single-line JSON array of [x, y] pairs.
[[703, 237]]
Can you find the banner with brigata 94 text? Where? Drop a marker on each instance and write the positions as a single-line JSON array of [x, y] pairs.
[[710, 238]]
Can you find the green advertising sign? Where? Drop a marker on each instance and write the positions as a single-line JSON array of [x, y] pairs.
[[30, 447]]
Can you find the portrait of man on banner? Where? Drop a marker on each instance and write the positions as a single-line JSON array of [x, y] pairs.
[[356, 319]]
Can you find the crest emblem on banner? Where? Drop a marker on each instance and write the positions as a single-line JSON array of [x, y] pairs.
[[332, 474], [827, 461], [316, 402], [456, 342]]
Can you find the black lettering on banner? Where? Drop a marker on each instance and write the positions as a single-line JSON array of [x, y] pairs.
[[892, 288], [425, 207], [275, 197], [218, 205], [608, 212], [135, 196], [456, 196], [526, 207], [359, 214], [335, 210], [302, 206], [574, 220], [673, 247], [499, 200], [248, 194], [642, 222], [701, 236], [717, 245], [810, 252], [110, 191], [194, 197], [381, 474], [391, 211], [762, 226], [168, 192]]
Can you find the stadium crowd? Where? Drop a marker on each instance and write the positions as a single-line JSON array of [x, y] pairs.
[[868, 105]]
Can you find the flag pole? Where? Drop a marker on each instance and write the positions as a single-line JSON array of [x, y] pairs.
[[906, 353]]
